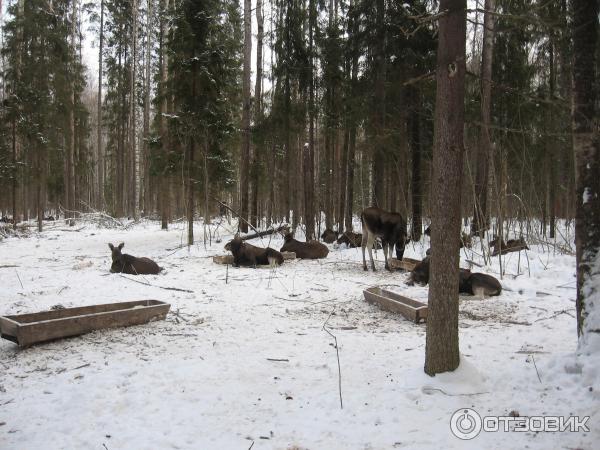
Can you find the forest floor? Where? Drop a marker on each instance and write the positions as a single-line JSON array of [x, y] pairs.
[[244, 360]]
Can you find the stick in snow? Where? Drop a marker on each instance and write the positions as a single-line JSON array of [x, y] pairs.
[[160, 287], [337, 350]]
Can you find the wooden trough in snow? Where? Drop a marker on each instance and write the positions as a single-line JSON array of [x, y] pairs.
[[28, 329], [407, 264], [390, 301], [228, 259]]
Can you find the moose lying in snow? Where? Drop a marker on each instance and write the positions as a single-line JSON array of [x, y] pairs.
[[390, 227], [329, 236], [248, 255], [124, 263], [304, 250], [479, 284], [512, 245], [352, 240]]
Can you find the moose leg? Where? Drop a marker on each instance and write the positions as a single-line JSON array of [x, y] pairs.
[[370, 243], [363, 244], [387, 250]]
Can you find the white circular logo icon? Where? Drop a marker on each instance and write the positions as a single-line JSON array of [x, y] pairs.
[[465, 424]]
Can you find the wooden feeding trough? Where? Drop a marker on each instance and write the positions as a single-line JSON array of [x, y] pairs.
[[228, 259], [28, 329], [390, 301], [407, 264]]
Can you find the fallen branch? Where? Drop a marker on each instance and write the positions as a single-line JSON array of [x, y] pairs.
[[160, 287], [337, 351]]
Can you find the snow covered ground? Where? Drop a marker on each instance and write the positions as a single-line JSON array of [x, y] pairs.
[[244, 362]]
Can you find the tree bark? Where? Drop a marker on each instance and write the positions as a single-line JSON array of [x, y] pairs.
[[163, 181], [379, 155], [245, 152], [100, 151], [254, 219], [441, 349], [132, 147], [147, 76], [480, 213], [70, 172], [309, 151], [587, 157], [416, 180]]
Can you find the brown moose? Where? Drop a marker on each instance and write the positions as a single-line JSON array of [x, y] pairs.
[[304, 250], [248, 255], [124, 263], [390, 227], [352, 240], [512, 245], [479, 284], [329, 236]]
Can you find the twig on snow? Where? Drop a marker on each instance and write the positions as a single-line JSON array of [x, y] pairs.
[[19, 279], [337, 351], [160, 287]]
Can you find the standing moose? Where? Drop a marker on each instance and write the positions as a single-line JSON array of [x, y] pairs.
[[124, 263], [390, 227]]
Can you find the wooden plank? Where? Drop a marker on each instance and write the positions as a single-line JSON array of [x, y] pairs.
[[390, 301], [407, 264], [228, 259], [28, 329]]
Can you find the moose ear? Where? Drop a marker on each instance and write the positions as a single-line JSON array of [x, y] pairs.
[[121, 245], [112, 247]]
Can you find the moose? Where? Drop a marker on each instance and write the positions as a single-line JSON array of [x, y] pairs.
[[352, 240], [390, 227], [248, 255], [329, 236], [479, 284], [512, 245], [465, 239], [304, 250], [124, 263]]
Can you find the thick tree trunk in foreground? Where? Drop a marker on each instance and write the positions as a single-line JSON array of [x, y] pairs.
[[587, 159], [441, 349]]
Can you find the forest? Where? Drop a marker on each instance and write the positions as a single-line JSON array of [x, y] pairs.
[[336, 114], [468, 128]]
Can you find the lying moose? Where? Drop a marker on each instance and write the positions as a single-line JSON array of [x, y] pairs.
[[304, 250], [329, 236], [479, 284], [124, 263], [248, 255]]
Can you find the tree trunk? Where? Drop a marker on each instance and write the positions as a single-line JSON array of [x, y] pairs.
[[245, 152], [254, 219], [309, 151], [441, 349], [133, 159], [163, 181], [147, 76], [352, 113], [100, 150], [416, 180], [587, 157], [480, 213], [379, 154], [70, 175]]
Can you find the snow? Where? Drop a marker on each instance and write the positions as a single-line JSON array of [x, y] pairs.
[[210, 376]]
